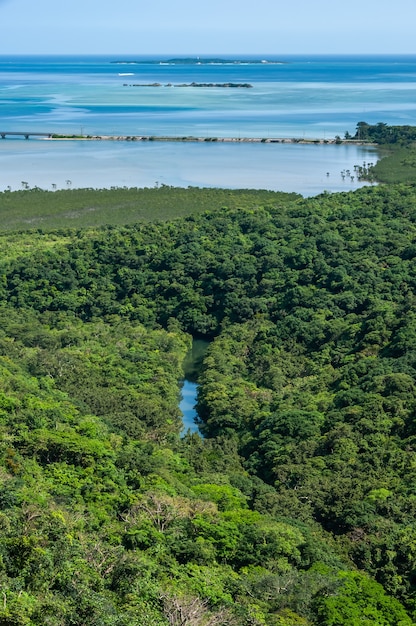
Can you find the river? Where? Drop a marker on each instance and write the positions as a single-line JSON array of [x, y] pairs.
[[192, 367], [187, 406]]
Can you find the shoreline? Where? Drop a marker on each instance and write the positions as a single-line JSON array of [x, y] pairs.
[[166, 138]]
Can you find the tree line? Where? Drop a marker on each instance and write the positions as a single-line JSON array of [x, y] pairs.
[[297, 507]]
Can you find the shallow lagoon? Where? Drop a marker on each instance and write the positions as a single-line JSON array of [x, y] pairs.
[[279, 167]]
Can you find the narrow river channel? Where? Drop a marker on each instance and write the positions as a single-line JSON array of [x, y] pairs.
[[187, 406], [192, 367]]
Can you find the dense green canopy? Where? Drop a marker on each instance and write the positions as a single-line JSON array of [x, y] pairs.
[[298, 506]]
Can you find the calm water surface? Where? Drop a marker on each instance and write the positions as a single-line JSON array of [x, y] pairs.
[[290, 96], [312, 97], [292, 167], [187, 407], [192, 367]]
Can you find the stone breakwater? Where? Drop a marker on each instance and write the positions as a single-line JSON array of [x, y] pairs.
[[287, 140]]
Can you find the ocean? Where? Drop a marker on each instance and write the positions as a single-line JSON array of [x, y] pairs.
[[316, 97]]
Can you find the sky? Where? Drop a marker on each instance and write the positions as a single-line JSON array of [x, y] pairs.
[[209, 27]]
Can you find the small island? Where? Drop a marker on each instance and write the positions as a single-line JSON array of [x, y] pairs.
[[193, 84], [199, 61]]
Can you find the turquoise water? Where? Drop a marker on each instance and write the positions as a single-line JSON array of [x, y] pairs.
[[311, 97]]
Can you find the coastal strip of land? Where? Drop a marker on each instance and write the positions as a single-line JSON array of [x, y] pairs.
[[190, 138]]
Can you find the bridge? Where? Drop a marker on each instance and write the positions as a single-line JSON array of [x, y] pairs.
[[4, 134]]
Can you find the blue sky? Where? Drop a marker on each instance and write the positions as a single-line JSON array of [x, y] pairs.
[[211, 26]]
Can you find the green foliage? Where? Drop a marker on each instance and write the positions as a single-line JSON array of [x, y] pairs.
[[360, 601], [34, 209], [397, 166], [298, 506], [398, 162], [383, 134]]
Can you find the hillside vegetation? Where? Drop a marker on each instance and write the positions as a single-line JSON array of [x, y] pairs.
[[398, 152], [297, 508]]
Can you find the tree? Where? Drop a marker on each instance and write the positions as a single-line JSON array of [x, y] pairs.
[[359, 601], [192, 611]]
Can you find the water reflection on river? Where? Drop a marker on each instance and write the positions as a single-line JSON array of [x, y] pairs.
[[187, 407], [192, 367]]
